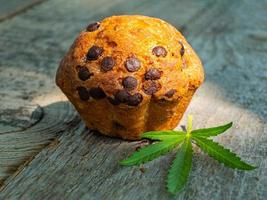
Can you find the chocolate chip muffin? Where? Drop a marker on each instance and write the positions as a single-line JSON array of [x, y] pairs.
[[130, 74]]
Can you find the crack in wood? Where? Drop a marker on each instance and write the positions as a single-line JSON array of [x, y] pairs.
[[20, 10]]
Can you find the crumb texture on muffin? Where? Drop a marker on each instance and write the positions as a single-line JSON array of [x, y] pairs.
[[130, 74]]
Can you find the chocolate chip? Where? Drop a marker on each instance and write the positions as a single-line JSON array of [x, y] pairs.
[[170, 93], [132, 64], [113, 101], [151, 87], [182, 50], [92, 27], [107, 64], [159, 51], [94, 52], [135, 99], [83, 93], [122, 96], [129, 83], [97, 93], [153, 74], [84, 73]]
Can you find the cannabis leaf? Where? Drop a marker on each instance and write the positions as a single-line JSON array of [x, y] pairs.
[[208, 132], [181, 166], [162, 135], [221, 154], [150, 152]]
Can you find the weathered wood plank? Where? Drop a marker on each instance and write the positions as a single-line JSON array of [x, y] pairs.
[[82, 165]]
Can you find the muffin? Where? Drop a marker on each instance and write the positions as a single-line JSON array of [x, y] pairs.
[[130, 74]]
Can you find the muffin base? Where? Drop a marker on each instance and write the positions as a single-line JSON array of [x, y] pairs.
[[130, 122]]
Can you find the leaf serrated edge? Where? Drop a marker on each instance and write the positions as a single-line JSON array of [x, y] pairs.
[[136, 161], [226, 160], [213, 131], [187, 150], [162, 135]]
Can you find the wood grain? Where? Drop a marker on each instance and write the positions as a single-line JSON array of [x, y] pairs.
[[20, 146], [229, 36]]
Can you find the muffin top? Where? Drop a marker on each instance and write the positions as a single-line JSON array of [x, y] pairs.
[[129, 60]]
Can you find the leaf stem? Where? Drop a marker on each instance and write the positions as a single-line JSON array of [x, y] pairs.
[[189, 125]]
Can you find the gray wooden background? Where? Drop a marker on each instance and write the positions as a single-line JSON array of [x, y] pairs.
[[46, 152]]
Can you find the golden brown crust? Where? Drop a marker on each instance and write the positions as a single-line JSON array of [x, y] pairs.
[[164, 73]]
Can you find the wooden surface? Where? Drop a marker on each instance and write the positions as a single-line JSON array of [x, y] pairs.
[[47, 153]]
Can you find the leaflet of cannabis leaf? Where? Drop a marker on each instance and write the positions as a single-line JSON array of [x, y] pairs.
[[180, 169]]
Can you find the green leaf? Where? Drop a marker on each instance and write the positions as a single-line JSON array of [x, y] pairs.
[[180, 168], [162, 135], [208, 132], [152, 151], [221, 154]]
